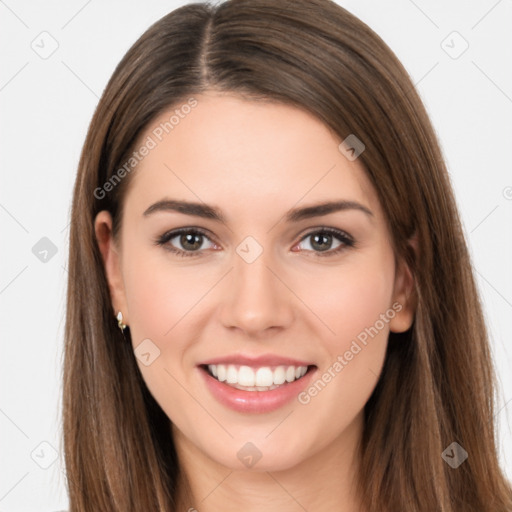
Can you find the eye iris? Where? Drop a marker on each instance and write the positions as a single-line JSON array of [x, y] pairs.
[[324, 237], [189, 238]]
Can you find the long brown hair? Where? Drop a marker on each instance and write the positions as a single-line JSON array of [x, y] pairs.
[[438, 383]]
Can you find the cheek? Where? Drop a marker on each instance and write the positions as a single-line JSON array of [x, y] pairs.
[[161, 297], [355, 303], [161, 294], [357, 308], [352, 298]]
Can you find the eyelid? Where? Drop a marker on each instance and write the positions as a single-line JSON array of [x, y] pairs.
[[332, 231]]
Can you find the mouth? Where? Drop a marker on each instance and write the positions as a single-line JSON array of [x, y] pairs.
[[259, 378]]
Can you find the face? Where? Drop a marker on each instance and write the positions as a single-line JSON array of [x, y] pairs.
[[252, 283]]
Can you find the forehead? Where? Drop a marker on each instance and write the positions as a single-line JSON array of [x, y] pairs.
[[252, 155]]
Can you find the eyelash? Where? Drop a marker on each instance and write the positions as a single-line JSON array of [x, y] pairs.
[[347, 241]]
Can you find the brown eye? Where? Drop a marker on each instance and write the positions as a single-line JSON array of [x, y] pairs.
[[322, 240], [184, 242], [191, 241]]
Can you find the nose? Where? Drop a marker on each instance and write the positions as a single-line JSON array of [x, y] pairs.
[[257, 299]]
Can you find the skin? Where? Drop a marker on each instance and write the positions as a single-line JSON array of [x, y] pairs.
[[255, 161]]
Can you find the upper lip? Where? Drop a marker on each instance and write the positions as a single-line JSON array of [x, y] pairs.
[[256, 361]]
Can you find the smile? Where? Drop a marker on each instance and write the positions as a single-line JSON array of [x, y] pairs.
[[255, 389], [264, 378]]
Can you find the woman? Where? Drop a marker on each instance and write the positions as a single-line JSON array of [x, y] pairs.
[[270, 298]]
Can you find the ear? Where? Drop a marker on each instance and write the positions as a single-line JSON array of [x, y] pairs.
[[404, 293], [112, 262]]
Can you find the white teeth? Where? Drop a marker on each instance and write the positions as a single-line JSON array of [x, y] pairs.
[[279, 375], [264, 377], [231, 375], [220, 370], [246, 376], [290, 374]]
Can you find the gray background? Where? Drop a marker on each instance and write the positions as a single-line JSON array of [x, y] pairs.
[[47, 102]]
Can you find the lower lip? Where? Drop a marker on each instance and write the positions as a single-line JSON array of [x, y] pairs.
[[256, 401]]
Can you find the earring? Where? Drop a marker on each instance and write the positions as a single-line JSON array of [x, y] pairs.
[[120, 322]]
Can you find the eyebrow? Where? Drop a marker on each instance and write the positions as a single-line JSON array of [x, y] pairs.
[[294, 215]]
